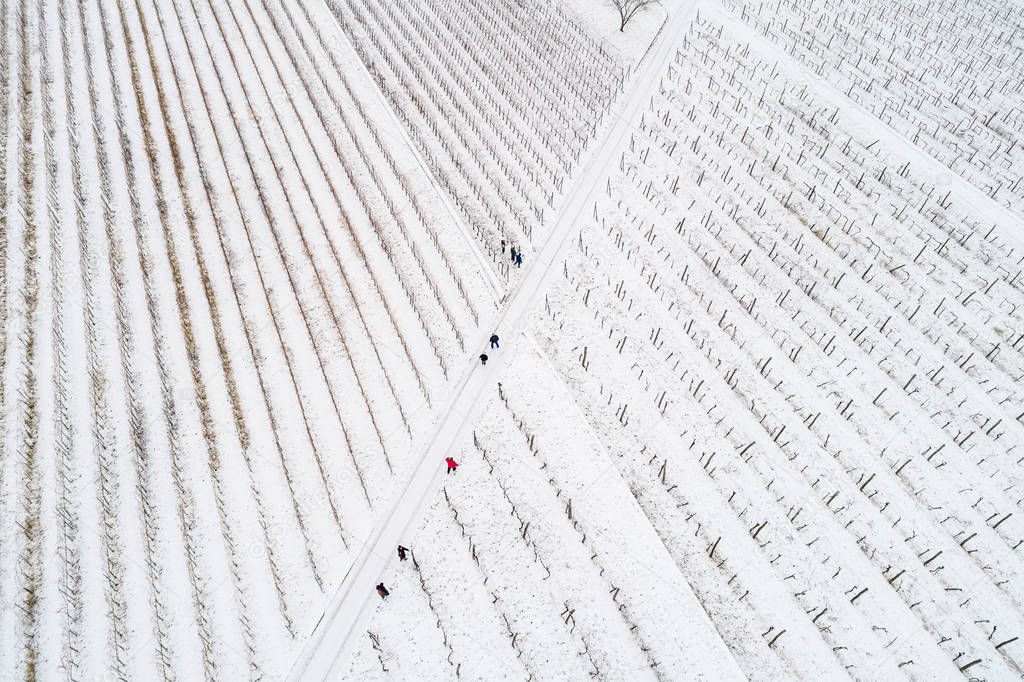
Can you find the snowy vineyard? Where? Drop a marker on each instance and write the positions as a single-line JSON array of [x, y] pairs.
[[947, 75], [758, 406], [455, 72], [796, 355], [229, 303]]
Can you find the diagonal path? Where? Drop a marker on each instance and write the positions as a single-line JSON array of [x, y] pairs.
[[351, 607]]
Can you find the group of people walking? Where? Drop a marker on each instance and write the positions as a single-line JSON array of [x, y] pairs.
[[403, 553], [494, 345], [450, 463], [516, 254]]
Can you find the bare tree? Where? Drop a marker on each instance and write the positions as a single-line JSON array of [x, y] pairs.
[[630, 8]]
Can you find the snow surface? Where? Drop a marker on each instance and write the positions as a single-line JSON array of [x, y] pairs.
[[756, 411]]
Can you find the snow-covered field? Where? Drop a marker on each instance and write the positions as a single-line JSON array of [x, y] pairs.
[[789, 353], [757, 410], [230, 303], [457, 73], [946, 74], [812, 350]]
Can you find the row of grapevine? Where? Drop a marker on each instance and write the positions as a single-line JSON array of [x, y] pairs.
[[526, 566], [839, 365], [230, 299], [945, 74], [797, 361], [455, 73]]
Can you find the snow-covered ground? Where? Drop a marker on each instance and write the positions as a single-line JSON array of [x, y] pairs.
[[757, 409], [946, 75], [792, 342], [230, 310], [501, 100]]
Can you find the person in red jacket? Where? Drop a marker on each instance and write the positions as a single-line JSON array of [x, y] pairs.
[[452, 464]]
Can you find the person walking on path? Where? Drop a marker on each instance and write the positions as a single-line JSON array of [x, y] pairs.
[[452, 464], [483, 358], [494, 340], [514, 254], [382, 591], [401, 552], [519, 259]]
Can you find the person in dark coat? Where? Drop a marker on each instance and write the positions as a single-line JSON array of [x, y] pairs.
[[494, 340], [519, 260], [382, 591], [514, 254], [483, 358], [401, 552], [452, 464]]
